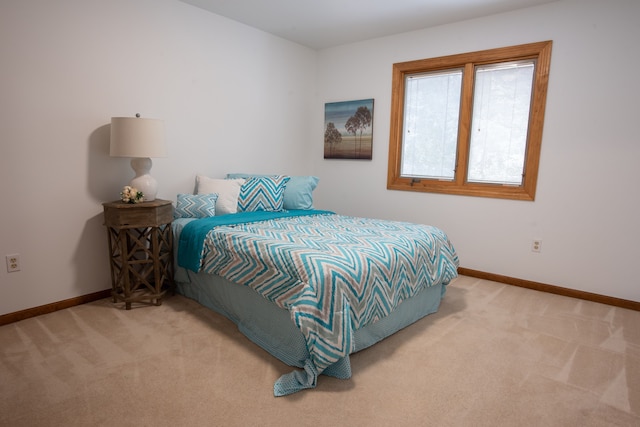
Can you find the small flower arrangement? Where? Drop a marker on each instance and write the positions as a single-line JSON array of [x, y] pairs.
[[131, 195]]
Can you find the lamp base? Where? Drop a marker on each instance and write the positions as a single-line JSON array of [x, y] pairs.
[[143, 181]]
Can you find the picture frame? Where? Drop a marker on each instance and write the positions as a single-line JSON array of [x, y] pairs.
[[348, 129]]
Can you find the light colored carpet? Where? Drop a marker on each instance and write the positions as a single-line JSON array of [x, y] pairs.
[[494, 355]]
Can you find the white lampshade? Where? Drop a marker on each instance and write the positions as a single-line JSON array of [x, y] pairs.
[[137, 137], [140, 139]]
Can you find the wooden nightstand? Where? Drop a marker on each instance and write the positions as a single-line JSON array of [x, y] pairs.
[[140, 250]]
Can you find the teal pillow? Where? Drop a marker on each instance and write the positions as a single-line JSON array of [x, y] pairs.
[[263, 193], [299, 191], [195, 205]]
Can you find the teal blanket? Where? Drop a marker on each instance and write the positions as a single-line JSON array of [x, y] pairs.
[[194, 233]]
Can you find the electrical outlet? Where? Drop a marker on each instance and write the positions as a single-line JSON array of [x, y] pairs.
[[536, 245], [13, 263]]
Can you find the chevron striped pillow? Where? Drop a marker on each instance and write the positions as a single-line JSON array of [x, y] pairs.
[[299, 191], [263, 193], [196, 206]]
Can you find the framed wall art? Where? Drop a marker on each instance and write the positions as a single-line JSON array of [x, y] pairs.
[[348, 129]]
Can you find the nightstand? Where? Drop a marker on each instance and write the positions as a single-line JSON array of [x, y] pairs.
[[140, 250]]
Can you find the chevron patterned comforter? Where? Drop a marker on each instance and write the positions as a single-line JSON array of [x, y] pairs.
[[333, 273]]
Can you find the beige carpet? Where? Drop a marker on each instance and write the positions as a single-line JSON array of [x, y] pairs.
[[494, 355]]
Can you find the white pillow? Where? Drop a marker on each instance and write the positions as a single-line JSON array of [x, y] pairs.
[[227, 190]]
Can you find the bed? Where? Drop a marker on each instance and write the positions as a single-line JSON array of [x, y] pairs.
[[310, 286]]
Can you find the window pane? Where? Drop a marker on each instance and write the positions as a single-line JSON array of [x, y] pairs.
[[430, 125], [499, 126]]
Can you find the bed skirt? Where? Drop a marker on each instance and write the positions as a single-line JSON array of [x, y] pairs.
[[271, 327]]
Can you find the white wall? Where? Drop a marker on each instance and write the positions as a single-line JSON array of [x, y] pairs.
[[231, 97], [587, 203]]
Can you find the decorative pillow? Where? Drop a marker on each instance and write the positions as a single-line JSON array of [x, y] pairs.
[[227, 190], [299, 191], [195, 206], [263, 193]]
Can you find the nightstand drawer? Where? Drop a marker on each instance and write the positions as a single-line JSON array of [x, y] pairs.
[[147, 214]]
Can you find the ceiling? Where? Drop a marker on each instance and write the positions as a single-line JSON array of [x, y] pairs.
[[320, 24]]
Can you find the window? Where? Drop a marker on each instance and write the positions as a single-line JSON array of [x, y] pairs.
[[470, 124]]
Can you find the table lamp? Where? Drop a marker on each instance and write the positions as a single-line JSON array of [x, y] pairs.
[[140, 139]]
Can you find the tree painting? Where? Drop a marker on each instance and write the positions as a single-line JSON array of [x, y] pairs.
[[348, 130]]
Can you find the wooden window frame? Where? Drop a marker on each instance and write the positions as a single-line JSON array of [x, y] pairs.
[[541, 52]]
